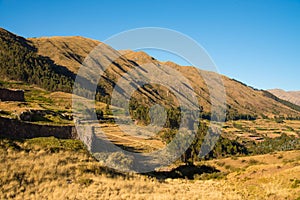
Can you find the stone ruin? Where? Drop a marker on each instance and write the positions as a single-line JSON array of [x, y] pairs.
[[11, 95]]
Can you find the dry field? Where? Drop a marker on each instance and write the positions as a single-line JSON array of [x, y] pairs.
[[136, 143], [48, 168]]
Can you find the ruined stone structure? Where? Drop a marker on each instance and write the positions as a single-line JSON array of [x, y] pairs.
[[11, 95], [21, 130], [87, 135]]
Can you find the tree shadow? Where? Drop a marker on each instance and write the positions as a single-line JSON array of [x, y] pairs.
[[183, 172]]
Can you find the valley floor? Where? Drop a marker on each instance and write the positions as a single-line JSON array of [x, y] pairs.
[[48, 168]]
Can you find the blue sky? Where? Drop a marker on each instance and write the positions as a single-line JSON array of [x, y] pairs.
[[254, 41]]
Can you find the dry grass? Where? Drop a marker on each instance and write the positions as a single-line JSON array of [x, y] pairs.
[[31, 170], [65, 51]]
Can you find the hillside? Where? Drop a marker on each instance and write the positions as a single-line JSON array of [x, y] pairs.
[[19, 61], [48, 60], [65, 51], [241, 99], [291, 96]]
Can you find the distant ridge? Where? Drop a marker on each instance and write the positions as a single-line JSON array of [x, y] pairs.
[[291, 96]]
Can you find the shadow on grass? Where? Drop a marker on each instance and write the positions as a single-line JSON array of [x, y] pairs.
[[184, 172]]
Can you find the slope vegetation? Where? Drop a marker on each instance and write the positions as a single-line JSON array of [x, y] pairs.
[[19, 61]]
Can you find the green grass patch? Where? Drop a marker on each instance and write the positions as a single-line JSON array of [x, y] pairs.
[[295, 183], [237, 126], [288, 128], [55, 145], [37, 96], [85, 181], [261, 129], [209, 176], [253, 162]]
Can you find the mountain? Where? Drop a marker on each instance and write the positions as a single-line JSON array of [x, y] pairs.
[[65, 51], [240, 98], [19, 61], [291, 96], [52, 63]]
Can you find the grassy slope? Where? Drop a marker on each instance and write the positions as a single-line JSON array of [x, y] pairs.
[[49, 168], [70, 51], [40, 99], [65, 51], [19, 61], [241, 98]]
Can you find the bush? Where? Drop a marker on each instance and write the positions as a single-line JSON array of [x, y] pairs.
[[208, 176], [221, 164], [281, 143], [279, 120], [217, 146], [253, 162], [296, 183], [85, 181]]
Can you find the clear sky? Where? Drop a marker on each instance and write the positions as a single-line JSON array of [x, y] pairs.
[[254, 41]]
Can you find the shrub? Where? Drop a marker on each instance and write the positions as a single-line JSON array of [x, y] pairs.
[[279, 119], [234, 158], [221, 164], [281, 143], [85, 181], [280, 156], [237, 126], [208, 176], [296, 183], [253, 162]]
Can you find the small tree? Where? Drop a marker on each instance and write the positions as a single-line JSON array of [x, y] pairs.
[[191, 153]]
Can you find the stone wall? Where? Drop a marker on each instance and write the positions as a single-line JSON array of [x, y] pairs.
[[22, 130], [95, 141], [87, 135], [11, 95]]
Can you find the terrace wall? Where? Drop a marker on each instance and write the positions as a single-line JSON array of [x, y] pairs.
[[11, 95], [22, 130]]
